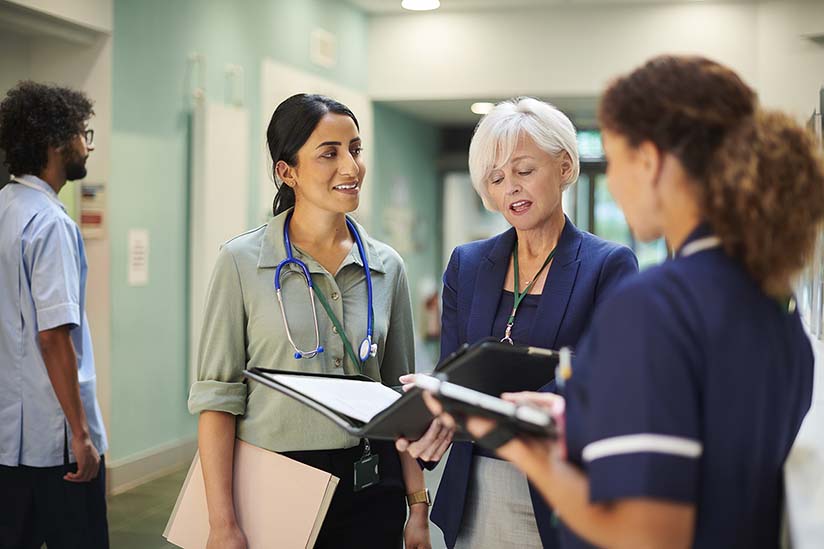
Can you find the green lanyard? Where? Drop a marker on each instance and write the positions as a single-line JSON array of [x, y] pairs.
[[339, 327], [519, 296]]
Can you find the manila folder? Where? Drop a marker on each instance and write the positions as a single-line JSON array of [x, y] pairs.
[[279, 502]]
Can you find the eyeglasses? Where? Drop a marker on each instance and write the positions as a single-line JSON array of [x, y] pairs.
[[89, 136]]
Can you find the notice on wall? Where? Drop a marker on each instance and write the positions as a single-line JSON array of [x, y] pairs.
[[92, 210], [138, 257]]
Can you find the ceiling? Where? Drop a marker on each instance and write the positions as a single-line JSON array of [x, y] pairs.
[[455, 112], [394, 6]]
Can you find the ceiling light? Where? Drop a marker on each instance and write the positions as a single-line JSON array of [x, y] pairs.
[[482, 107], [421, 5]]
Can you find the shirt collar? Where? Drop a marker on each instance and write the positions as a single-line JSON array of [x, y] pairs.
[[40, 185], [703, 230], [273, 250]]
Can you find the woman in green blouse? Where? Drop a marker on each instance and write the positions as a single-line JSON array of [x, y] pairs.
[[316, 152]]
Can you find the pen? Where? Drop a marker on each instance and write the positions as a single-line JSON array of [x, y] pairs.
[[564, 369]]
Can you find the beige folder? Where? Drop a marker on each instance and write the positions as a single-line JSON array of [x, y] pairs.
[[279, 502]]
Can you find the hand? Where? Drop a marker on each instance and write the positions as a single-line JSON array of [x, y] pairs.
[[408, 381], [416, 533], [520, 450], [432, 445], [88, 460], [226, 537]]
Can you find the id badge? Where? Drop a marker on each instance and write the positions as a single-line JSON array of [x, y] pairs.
[[366, 470]]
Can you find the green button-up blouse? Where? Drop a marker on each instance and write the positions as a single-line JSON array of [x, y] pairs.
[[243, 328]]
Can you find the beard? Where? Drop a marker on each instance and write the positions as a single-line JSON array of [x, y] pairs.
[[75, 171], [75, 167]]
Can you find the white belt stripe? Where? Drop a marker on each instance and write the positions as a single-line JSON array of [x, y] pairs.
[[633, 444]]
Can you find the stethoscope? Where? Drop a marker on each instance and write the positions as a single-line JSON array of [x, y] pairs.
[[367, 348]]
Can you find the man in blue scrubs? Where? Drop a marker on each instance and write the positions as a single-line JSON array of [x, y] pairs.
[[52, 474]]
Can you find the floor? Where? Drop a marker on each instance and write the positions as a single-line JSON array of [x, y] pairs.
[[138, 517]]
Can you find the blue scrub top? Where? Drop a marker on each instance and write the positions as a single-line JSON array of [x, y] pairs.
[[691, 387], [42, 286]]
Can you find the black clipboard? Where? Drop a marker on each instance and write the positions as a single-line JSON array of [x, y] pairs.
[[492, 367], [488, 366], [461, 401]]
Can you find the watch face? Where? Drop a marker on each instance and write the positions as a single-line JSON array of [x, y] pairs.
[[419, 497]]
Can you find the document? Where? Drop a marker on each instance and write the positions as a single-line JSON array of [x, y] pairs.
[[279, 502], [361, 400], [366, 408]]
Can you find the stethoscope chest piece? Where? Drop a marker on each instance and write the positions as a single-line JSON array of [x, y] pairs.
[[367, 349]]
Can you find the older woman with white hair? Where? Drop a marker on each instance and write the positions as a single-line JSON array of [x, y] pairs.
[[536, 284]]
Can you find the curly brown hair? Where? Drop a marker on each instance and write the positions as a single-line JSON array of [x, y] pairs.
[[760, 178], [34, 117]]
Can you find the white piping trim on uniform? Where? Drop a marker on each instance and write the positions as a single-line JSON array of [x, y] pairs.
[[645, 442], [706, 243]]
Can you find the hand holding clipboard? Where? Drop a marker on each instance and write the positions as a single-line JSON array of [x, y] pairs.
[[534, 419]]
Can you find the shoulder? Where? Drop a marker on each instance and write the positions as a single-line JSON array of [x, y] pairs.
[[50, 222], [479, 247], [23, 202], [388, 255], [594, 247], [240, 254], [244, 242], [474, 251], [661, 293]]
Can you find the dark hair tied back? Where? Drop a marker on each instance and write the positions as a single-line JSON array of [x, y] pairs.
[[292, 123], [760, 177]]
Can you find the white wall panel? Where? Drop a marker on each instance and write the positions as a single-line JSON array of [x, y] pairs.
[[218, 198]]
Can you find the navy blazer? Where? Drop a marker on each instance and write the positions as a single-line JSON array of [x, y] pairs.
[[585, 269]]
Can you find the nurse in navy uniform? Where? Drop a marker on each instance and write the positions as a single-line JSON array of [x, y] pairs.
[[690, 387]]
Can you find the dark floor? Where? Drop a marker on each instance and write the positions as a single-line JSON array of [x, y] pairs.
[[138, 517]]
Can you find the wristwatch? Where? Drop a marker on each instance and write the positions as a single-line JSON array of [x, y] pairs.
[[419, 497]]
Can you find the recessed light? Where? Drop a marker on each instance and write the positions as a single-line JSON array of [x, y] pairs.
[[482, 107], [421, 5]]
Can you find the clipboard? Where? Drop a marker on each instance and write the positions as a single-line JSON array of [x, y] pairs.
[[457, 399], [488, 366], [279, 502]]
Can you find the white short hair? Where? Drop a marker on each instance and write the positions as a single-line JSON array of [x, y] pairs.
[[497, 134]]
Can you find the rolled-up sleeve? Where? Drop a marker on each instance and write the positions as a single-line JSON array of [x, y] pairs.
[[52, 257], [222, 351]]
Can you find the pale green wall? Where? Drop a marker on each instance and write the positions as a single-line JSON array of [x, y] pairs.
[[406, 152], [152, 39], [150, 171]]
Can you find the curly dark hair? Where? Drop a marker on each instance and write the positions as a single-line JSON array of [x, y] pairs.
[[34, 117], [760, 178]]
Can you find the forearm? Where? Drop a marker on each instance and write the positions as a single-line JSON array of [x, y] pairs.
[[61, 365], [636, 523], [414, 482], [412, 473], [216, 444]]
